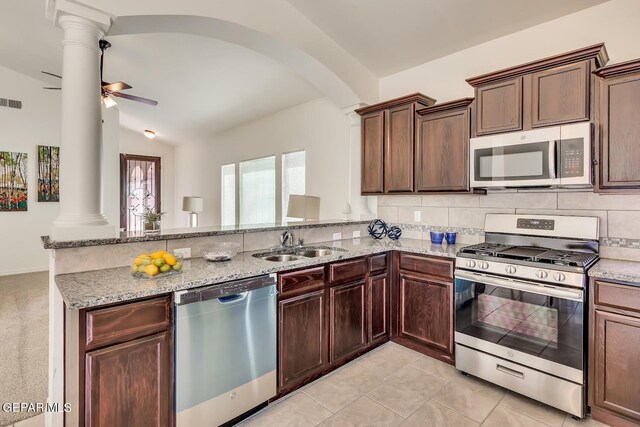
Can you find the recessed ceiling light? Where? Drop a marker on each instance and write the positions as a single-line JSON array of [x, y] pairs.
[[149, 134]]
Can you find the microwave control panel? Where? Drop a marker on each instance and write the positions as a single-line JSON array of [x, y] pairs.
[[571, 157]]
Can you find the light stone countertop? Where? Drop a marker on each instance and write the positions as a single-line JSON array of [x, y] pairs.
[[182, 233], [615, 269], [100, 287]]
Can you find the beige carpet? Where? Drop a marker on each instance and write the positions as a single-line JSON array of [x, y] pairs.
[[24, 341]]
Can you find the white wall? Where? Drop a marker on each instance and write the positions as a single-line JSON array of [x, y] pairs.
[[614, 22], [318, 126], [136, 143], [37, 123]]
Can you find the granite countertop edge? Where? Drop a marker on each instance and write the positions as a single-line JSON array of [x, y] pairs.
[[101, 287], [615, 269], [173, 234]]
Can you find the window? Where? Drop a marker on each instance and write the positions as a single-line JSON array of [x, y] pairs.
[[228, 190], [293, 179], [258, 191]]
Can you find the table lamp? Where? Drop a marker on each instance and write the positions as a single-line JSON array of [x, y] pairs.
[[303, 206], [193, 205]]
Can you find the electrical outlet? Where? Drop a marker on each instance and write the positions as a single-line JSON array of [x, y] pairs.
[[417, 216], [337, 236], [185, 252], [356, 234]]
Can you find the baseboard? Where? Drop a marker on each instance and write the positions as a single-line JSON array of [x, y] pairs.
[[24, 271]]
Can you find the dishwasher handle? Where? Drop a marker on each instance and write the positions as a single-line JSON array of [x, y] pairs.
[[230, 299], [223, 290]]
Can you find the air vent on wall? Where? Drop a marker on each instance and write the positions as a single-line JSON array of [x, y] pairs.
[[10, 103]]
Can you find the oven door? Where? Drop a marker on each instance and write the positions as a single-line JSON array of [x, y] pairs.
[[535, 325], [522, 159]]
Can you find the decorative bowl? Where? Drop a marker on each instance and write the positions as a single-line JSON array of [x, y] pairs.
[[222, 251], [155, 265]]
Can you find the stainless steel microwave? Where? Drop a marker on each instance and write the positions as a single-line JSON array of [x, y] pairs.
[[557, 156]]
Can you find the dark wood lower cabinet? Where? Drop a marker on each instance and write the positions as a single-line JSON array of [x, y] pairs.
[[378, 308], [614, 361], [425, 314], [302, 336], [347, 319], [130, 384]]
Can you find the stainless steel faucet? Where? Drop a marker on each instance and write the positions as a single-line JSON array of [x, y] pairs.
[[286, 239]]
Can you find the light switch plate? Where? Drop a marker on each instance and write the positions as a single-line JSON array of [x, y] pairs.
[[417, 216], [337, 236], [356, 234], [185, 252]]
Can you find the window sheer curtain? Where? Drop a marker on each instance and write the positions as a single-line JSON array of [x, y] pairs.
[[258, 191]]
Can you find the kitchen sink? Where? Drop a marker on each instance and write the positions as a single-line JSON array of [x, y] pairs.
[[282, 257], [295, 254]]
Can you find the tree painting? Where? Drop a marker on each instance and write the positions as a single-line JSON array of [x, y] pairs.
[[13, 181], [48, 174]]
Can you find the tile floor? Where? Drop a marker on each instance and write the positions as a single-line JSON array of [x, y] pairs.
[[394, 386]]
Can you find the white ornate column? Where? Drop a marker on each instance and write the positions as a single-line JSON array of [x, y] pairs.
[[81, 128], [361, 207]]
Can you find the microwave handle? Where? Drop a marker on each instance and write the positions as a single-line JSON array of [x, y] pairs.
[[553, 159]]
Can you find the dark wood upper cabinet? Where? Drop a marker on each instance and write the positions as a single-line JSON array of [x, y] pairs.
[[560, 95], [302, 345], [499, 107], [442, 147], [373, 136], [388, 137], [618, 153], [546, 92], [614, 365], [130, 384], [347, 319]]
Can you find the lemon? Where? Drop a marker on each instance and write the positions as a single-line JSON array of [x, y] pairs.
[[151, 270], [157, 255], [165, 268], [159, 262], [170, 259], [177, 266], [134, 268]]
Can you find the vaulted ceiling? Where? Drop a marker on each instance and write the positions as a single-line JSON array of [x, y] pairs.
[[205, 86]]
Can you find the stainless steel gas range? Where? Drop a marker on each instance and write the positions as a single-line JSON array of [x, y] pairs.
[[521, 300]]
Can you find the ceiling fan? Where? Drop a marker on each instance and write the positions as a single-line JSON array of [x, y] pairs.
[[109, 90]]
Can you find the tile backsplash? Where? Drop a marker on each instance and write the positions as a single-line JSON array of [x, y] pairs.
[[619, 214]]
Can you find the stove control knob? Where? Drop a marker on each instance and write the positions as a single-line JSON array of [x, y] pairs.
[[510, 269], [559, 277], [470, 263], [541, 274], [483, 265]]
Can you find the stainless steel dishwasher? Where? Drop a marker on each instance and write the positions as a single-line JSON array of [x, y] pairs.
[[225, 348]]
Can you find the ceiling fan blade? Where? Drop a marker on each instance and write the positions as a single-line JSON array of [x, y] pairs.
[[134, 98], [52, 88], [51, 74], [115, 87]]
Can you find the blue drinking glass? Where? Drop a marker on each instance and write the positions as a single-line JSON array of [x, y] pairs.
[[436, 237], [451, 237]]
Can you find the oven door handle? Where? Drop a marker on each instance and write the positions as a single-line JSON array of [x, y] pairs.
[[517, 285]]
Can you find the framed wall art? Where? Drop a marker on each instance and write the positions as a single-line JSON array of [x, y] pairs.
[[48, 174], [13, 181]]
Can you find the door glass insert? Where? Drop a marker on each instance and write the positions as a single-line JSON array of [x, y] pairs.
[[140, 189]]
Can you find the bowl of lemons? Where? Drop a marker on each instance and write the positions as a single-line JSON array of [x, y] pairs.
[[157, 264]]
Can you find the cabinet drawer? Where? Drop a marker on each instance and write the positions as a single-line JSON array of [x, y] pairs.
[[301, 281], [624, 297], [377, 262], [439, 267], [120, 323], [347, 270]]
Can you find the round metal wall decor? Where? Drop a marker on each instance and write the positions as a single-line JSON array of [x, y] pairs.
[[377, 229], [394, 232]]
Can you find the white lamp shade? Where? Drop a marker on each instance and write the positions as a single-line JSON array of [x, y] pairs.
[[301, 206], [192, 204]]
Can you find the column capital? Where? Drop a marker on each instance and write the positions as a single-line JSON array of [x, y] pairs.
[[58, 9]]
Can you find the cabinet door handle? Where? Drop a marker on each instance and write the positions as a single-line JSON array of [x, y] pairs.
[[510, 371]]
